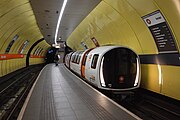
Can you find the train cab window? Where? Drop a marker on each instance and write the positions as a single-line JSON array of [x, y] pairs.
[[119, 68], [94, 61]]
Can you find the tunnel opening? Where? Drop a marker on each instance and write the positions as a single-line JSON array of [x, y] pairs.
[[50, 55]]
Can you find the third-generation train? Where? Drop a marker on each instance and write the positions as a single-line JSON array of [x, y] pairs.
[[113, 68]]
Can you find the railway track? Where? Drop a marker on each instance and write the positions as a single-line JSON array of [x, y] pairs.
[[14, 91], [150, 106]]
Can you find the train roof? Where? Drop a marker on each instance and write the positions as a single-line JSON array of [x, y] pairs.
[[104, 49]]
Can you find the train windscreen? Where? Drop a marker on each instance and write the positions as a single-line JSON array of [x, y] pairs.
[[119, 67]]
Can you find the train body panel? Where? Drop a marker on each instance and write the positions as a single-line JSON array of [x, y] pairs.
[[74, 63], [91, 73], [114, 68], [83, 62], [93, 62], [67, 59]]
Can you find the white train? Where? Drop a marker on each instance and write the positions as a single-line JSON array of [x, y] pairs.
[[113, 68]]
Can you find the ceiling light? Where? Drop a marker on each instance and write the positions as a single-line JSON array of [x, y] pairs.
[[59, 20], [46, 10]]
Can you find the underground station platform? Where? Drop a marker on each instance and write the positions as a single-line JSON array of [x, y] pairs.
[[58, 94]]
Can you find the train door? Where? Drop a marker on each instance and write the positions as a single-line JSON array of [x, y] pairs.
[[69, 59], [84, 63], [92, 73]]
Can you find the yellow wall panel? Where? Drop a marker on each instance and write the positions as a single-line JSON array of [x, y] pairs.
[[1, 62], [9, 5], [14, 63], [169, 85], [141, 33], [150, 77], [7, 66], [3, 67], [14, 13], [36, 61], [10, 66], [143, 7], [171, 81]]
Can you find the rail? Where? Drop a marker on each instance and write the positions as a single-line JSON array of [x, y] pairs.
[[13, 94], [151, 106]]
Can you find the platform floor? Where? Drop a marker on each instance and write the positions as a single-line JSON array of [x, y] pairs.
[[60, 95]]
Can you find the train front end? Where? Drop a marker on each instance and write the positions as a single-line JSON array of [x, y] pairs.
[[120, 70]]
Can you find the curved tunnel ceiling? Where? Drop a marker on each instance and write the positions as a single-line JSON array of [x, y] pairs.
[[120, 22], [17, 18], [47, 13], [18, 32]]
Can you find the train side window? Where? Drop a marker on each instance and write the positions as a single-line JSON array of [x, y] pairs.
[[84, 62], [79, 57], [76, 57], [85, 57], [73, 56], [94, 61]]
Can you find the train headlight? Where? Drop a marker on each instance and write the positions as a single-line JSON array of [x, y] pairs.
[[137, 73], [101, 74], [121, 79]]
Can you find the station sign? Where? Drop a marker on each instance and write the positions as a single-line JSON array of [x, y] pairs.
[[23, 46], [10, 56], [11, 43], [96, 43], [59, 45], [161, 32]]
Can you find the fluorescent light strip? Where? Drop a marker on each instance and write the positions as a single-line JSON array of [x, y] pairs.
[[137, 72], [160, 74], [59, 20]]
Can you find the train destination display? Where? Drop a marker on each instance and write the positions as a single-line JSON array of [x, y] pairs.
[[161, 32]]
